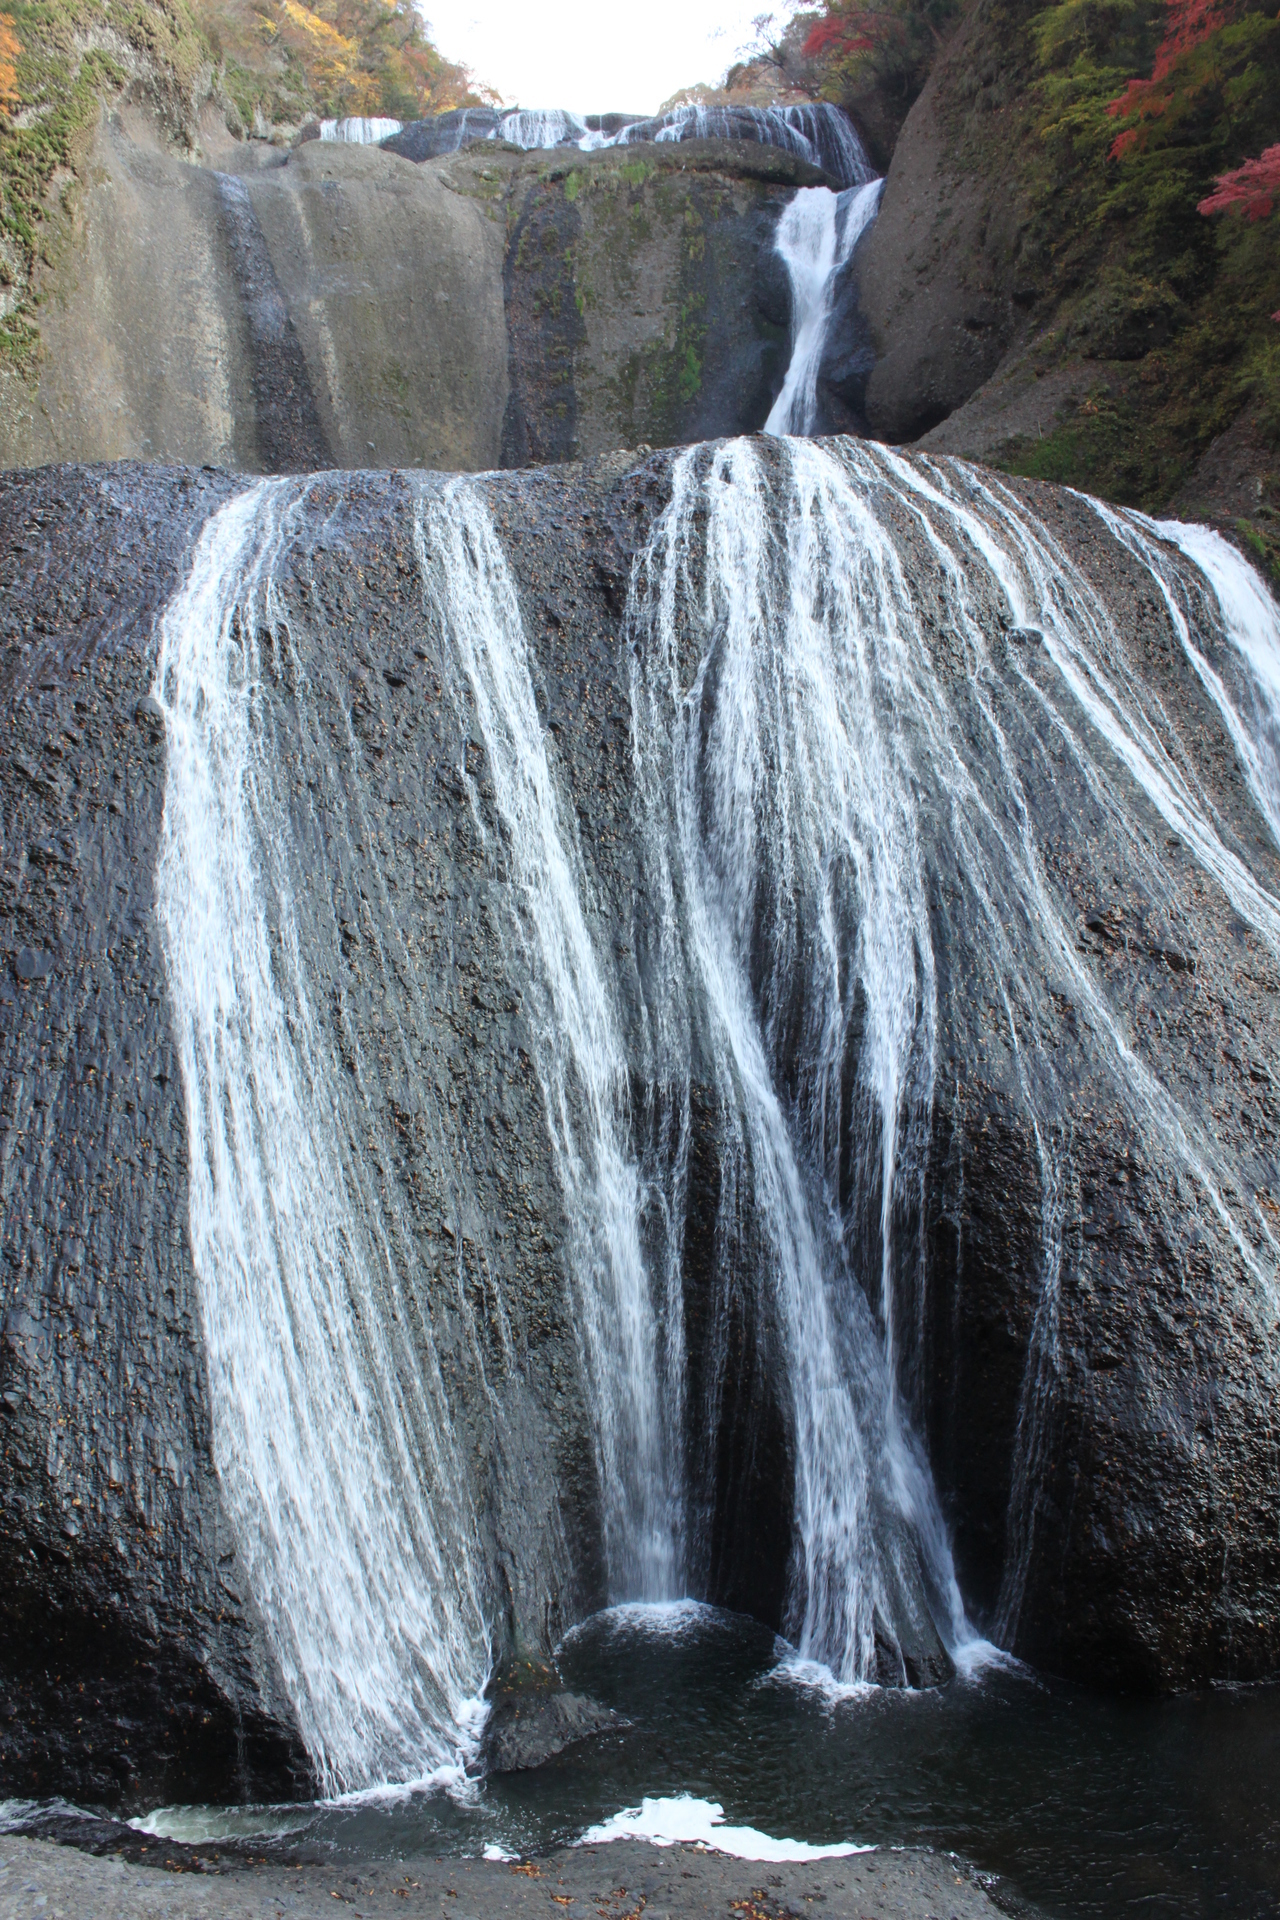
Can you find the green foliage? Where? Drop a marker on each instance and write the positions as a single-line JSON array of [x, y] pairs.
[[885, 45], [65, 64], [1175, 308]]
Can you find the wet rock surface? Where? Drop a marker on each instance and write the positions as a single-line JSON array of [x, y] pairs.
[[645, 303], [615, 1881], [133, 1663], [130, 1649], [533, 1717]]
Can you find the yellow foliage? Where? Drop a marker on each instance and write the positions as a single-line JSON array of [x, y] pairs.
[[321, 30], [10, 49]]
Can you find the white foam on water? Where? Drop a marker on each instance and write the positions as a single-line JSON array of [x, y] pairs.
[[658, 1620], [203, 1826], [683, 1820], [972, 1658]]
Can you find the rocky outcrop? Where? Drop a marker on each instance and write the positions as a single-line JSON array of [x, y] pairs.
[[942, 279], [121, 1583], [533, 1717], [645, 304], [1136, 1514], [343, 306]]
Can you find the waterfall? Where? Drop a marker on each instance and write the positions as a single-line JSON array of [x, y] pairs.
[[845, 668], [331, 1435], [821, 134], [802, 763], [782, 837], [360, 132], [549, 127], [816, 237], [631, 1342], [1242, 679]]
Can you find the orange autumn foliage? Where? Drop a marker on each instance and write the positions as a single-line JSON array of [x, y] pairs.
[[10, 50]]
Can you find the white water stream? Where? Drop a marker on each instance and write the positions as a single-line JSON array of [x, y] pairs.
[[630, 1334], [816, 237], [798, 750], [331, 1434]]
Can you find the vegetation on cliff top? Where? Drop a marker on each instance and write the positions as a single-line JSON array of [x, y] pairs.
[[1144, 262], [281, 60], [266, 65]]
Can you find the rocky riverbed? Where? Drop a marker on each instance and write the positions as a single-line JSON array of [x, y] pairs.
[[622, 1881]]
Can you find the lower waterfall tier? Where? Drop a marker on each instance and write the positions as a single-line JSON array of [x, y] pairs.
[[701, 1027]]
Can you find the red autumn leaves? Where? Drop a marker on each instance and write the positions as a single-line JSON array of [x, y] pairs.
[[1188, 23], [1250, 190], [855, 30]]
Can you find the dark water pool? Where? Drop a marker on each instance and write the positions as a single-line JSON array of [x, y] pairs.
[[1082, 1805]]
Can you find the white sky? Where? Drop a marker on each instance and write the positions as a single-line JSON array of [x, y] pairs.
[[592, 56]]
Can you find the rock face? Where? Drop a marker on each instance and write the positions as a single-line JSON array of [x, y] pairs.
[[645, 304], [1085, 1341], [942, 281], [132, 1653], [342, 306], [533, 1717]]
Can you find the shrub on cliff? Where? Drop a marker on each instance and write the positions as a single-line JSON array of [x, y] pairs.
[[9, 52]]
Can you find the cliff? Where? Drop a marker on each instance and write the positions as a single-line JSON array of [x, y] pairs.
[[339, 305]]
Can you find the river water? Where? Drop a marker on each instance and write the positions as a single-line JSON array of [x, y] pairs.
[[1081, 1805]]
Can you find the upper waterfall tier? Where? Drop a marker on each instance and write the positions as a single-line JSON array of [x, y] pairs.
[[821, 134], [703, 1026]]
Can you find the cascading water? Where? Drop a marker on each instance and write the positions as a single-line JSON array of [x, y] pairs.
[[332, 1438], [819, 731], [793, 735], [821, 134], [359, 132], [549, 127], [816, 237], [1242, 679], [631, 1341], [782, 842]]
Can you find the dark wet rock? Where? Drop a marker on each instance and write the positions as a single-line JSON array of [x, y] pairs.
[[645, 303], [532, 1718], [130, 1651], [290, 436], [443, 133]]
